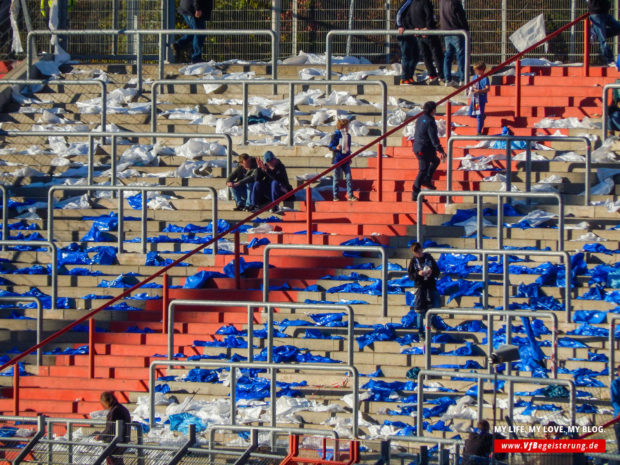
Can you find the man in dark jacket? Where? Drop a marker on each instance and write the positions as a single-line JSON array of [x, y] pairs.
[[423, 271], [452, 17], [116, 411], [425, 147], [604, 26], [270, 181], [409, 49], [240, 181], [479, 445], [196, 13], [423, 18]]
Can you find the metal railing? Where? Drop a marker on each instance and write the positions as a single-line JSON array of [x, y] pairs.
[[245, 83], [52, 250], [161, 33], [46, 82], [318, 248], [392, 32], [5, 213], [423, 374], [272, 367], [39, 327], [506, 253], [500, 211], [611, 363], [606, 128], [508, 140], [507, 316], [121, 206], [269, 306], [441, 443], [114, 136]]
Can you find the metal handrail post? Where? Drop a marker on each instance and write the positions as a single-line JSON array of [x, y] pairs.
[[47, 82], [509, 140], [250, 320], [211, 429], [387, 33], [245, 83], [342, 248], [232, 366], [162, 32], [39, 329], [565, 256], [5, 215], [490, 313], [40, 433], [500, 224], [121, 189], [114, 135], [53, 251], [611, 363], [423, 374]]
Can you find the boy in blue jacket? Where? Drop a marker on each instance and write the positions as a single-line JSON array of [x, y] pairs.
[[340, 146]]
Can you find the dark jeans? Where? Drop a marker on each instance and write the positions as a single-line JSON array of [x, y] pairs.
[[427, 164], [337, 175], [196, 40], [242, 195], [604, 27], [266, 191], [426, 298], [455, 46], [431, 51], [409, 55], [479, 117]]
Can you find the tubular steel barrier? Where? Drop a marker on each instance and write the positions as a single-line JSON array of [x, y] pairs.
[[606, 128], [121, 206], [245, 83], [527, 253], [53, 251], [388, 32], [5, 212], [500, 211], [509, 315], [344, 248], [119, 135], [269, 306], [272, 367], [612, 350], [440, 442], [39, 307], [161, 33], [528, 151], [46, 82], [423, 374]]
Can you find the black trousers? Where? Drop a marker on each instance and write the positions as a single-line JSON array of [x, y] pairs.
[[431, 51], [427, 164]]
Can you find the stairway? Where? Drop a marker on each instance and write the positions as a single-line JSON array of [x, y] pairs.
[[61, 386]]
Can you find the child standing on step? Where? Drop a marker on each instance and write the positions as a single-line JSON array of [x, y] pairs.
[[340, 146], [478, 94]]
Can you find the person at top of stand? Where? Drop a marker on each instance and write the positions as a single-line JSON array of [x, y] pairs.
[[409, 48], [195, 13], [604, 26]]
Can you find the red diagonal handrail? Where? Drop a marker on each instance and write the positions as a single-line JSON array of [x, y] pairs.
[[125, 293]]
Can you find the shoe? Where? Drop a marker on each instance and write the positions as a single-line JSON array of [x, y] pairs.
[[239, 208], [197, 60], [275, 209], [429, 185], [251, 208], [351, 198], [407, 82], [206, 170], [452, 83], [432, 81], [414, 196], [336, 199]]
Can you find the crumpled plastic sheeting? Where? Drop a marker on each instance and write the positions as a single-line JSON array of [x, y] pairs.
[[355, 242], [533, 219], [458, 288], [567, 123], [598, 248], [181, 421], [288, 353], [123, 280], [200, 279], [194, 148]]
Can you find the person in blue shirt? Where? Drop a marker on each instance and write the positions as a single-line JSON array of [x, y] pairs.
[[479, 93], [340, 145], [425, 147]]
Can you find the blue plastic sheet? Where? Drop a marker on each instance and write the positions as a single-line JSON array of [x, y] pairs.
[[329, 319], [589, 316], [467, 350], [82, 350], [380, 333], [600, 275], [357, 241], [383, 391], [254, 243], [597, 247], [232, 342], [7, 431], [532, 357], [515, 144], [572, 343], [586, 329], [318, 334], [595, 293], [181, 421], [613, 296], [288, 353], [458, 288], [97, 235], [163, 388], [105, 255], [199, 375], [123, 281], [229, 269], [200, 279], [73, 255]]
